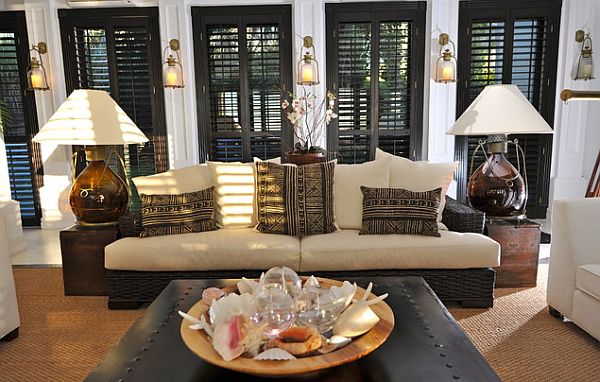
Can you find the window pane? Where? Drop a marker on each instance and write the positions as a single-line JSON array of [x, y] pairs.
[[487, 55], [135, 94], [354, 91], [263, 83], [16, 138], [224, 92], [92, 59], [529, 50]]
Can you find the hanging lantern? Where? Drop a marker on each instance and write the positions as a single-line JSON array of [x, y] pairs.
[[172, 69], [308, 67], [36, 73], [446, 63], [585, 64]]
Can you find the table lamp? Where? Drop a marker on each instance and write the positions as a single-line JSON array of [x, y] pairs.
[[497, 187], [93, 119]]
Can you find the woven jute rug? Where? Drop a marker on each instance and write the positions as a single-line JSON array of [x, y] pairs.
[[63, 338]]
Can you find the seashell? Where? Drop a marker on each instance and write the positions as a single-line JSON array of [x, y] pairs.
[[247, 286], [211, 294], [344, 294], [333, 343], [311, 282], [229, 337], [231, 305], [359, 318], [275, 354]]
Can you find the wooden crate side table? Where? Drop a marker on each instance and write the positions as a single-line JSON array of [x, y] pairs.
[[82, 251], [520, 243]]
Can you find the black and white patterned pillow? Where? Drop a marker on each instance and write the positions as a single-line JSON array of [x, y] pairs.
[[400, 211], [174, 214], [295, 200]]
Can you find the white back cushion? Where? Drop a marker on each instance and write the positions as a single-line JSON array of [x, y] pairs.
[[179, 181], [348, 198], [419, 176]]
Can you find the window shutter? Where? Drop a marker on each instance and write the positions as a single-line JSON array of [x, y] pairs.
[[514, 45], [245, 68], [20, 123], [377, 78]]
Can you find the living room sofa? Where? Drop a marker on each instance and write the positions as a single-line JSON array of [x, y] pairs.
[[458, 264], [9, 311], [574, 270]]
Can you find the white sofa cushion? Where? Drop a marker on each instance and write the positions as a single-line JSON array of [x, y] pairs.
[[419, 176], [234, 194], [345, 250], [179, 181], [588, 279], [348, 198], [238, 249]]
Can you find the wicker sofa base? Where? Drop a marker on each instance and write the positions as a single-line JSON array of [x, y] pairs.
[[471, 288]]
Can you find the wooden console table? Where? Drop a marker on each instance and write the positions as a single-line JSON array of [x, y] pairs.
[[82, 251], [520, 243]]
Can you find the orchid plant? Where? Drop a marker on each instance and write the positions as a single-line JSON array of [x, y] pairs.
[[308, 116]]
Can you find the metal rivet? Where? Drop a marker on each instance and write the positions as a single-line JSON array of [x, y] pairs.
[[442, 355], [137, 359], [121, 380], [455, 376], [431, 336], [186, 293], [419, 314], [439, 345], [156, 331], [427, 328], [150, 339], [129, 370], [145, 348], [449, 365]]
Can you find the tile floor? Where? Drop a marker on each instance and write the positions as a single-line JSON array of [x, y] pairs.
[[44, 249]]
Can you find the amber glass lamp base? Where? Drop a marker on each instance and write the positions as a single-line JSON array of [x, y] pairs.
[[99, 196], [497, 188]]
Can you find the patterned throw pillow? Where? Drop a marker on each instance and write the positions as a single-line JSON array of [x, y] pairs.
[[400, 211], [295, 200], [182, 213]]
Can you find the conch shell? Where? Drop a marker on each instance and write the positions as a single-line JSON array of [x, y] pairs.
[[359, 318], [235, 337], [223, 309]]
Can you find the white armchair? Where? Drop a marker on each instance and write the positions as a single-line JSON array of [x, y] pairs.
[[574, 272], [9, 312]]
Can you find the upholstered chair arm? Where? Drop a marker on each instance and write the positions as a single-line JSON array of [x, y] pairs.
[[459, 217], [575, 242]]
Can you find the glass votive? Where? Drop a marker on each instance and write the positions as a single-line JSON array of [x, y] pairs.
[[274, 309], [316, 306], [283, 278]]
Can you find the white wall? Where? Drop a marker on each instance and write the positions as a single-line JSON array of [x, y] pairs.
[[575, 141], [576, 127]]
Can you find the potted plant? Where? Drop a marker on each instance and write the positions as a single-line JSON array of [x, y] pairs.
[[308, 116]]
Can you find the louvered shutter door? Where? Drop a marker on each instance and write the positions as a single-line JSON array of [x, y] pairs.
[[244, 68], [510, 48], [377, 78], [113, 50], [23, 158]]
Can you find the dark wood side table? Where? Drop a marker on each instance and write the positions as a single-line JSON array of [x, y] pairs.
[[520, 243], [82, 251]]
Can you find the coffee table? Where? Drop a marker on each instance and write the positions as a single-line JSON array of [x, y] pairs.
[[426, 344]]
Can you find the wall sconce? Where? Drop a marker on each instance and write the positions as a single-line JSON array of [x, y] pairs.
[[172, 70], [585, 63], [308, 67], [446, 63], [36, 73]]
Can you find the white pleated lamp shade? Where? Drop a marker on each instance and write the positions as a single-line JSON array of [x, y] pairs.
[[90, 117], [500, 109]]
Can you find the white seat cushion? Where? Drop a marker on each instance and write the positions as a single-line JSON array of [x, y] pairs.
[[588, 279], [346, 250], [348, 197], [223, 249]]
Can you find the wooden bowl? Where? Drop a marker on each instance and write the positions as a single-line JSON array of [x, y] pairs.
[[200, 343]]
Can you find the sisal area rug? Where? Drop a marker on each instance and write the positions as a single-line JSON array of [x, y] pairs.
[[63, 338]]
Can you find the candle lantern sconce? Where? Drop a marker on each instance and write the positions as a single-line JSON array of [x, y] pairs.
[[585, 63], [36, 72], [446, 63], [308, 67]]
